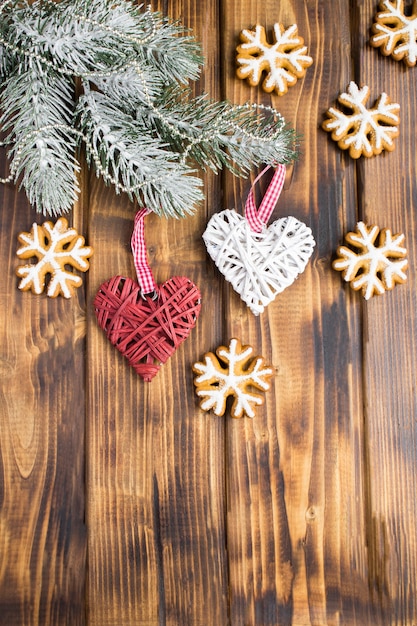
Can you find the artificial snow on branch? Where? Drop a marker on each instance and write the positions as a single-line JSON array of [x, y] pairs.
[[114, 77]]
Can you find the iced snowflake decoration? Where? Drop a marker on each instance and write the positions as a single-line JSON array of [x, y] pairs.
[[284, 61], [363, 131], [378, 265], [396, 33], [233, 372], [56, 249]]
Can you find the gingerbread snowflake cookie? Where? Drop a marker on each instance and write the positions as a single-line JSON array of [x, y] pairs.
[[232, 371], [395, 32], [362, 131], [56, 249], [377, 262], [284, 61]]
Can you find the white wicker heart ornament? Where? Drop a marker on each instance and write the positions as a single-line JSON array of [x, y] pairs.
[[259, 261]]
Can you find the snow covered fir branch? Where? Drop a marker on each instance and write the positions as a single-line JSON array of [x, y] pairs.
[[115, 78]]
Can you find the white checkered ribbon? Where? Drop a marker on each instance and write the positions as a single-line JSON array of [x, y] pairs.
[[144, 273], [258, 218]]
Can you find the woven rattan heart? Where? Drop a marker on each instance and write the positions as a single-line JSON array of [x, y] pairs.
[[258, 265], [146, 331]]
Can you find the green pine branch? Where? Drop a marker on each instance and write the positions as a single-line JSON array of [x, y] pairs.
[[133, 161], [143, 131], [37, 113], [219, 134]]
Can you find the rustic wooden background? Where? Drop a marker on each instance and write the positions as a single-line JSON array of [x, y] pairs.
[[121, 503]]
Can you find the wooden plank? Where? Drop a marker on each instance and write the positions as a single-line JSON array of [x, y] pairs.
[[296, 536], [155, 467], [388, 197], [42, 532]]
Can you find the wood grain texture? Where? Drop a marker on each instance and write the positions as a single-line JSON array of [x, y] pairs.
[[300, 555], [388, 197], [121, 502], [42, 411], [155, 485]]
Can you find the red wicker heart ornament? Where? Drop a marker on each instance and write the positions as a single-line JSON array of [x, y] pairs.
[[147, 331]]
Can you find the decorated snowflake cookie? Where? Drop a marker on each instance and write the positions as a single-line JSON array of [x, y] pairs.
[[395, 32], [363, 131], [233, 372], [284, 61], [378, 264], [55, 248]]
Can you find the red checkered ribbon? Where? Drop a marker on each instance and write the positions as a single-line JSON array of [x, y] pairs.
[[258, 218], [144, 273]]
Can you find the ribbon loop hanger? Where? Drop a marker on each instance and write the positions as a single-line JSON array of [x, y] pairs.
[[258, 217], [144, 273]]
